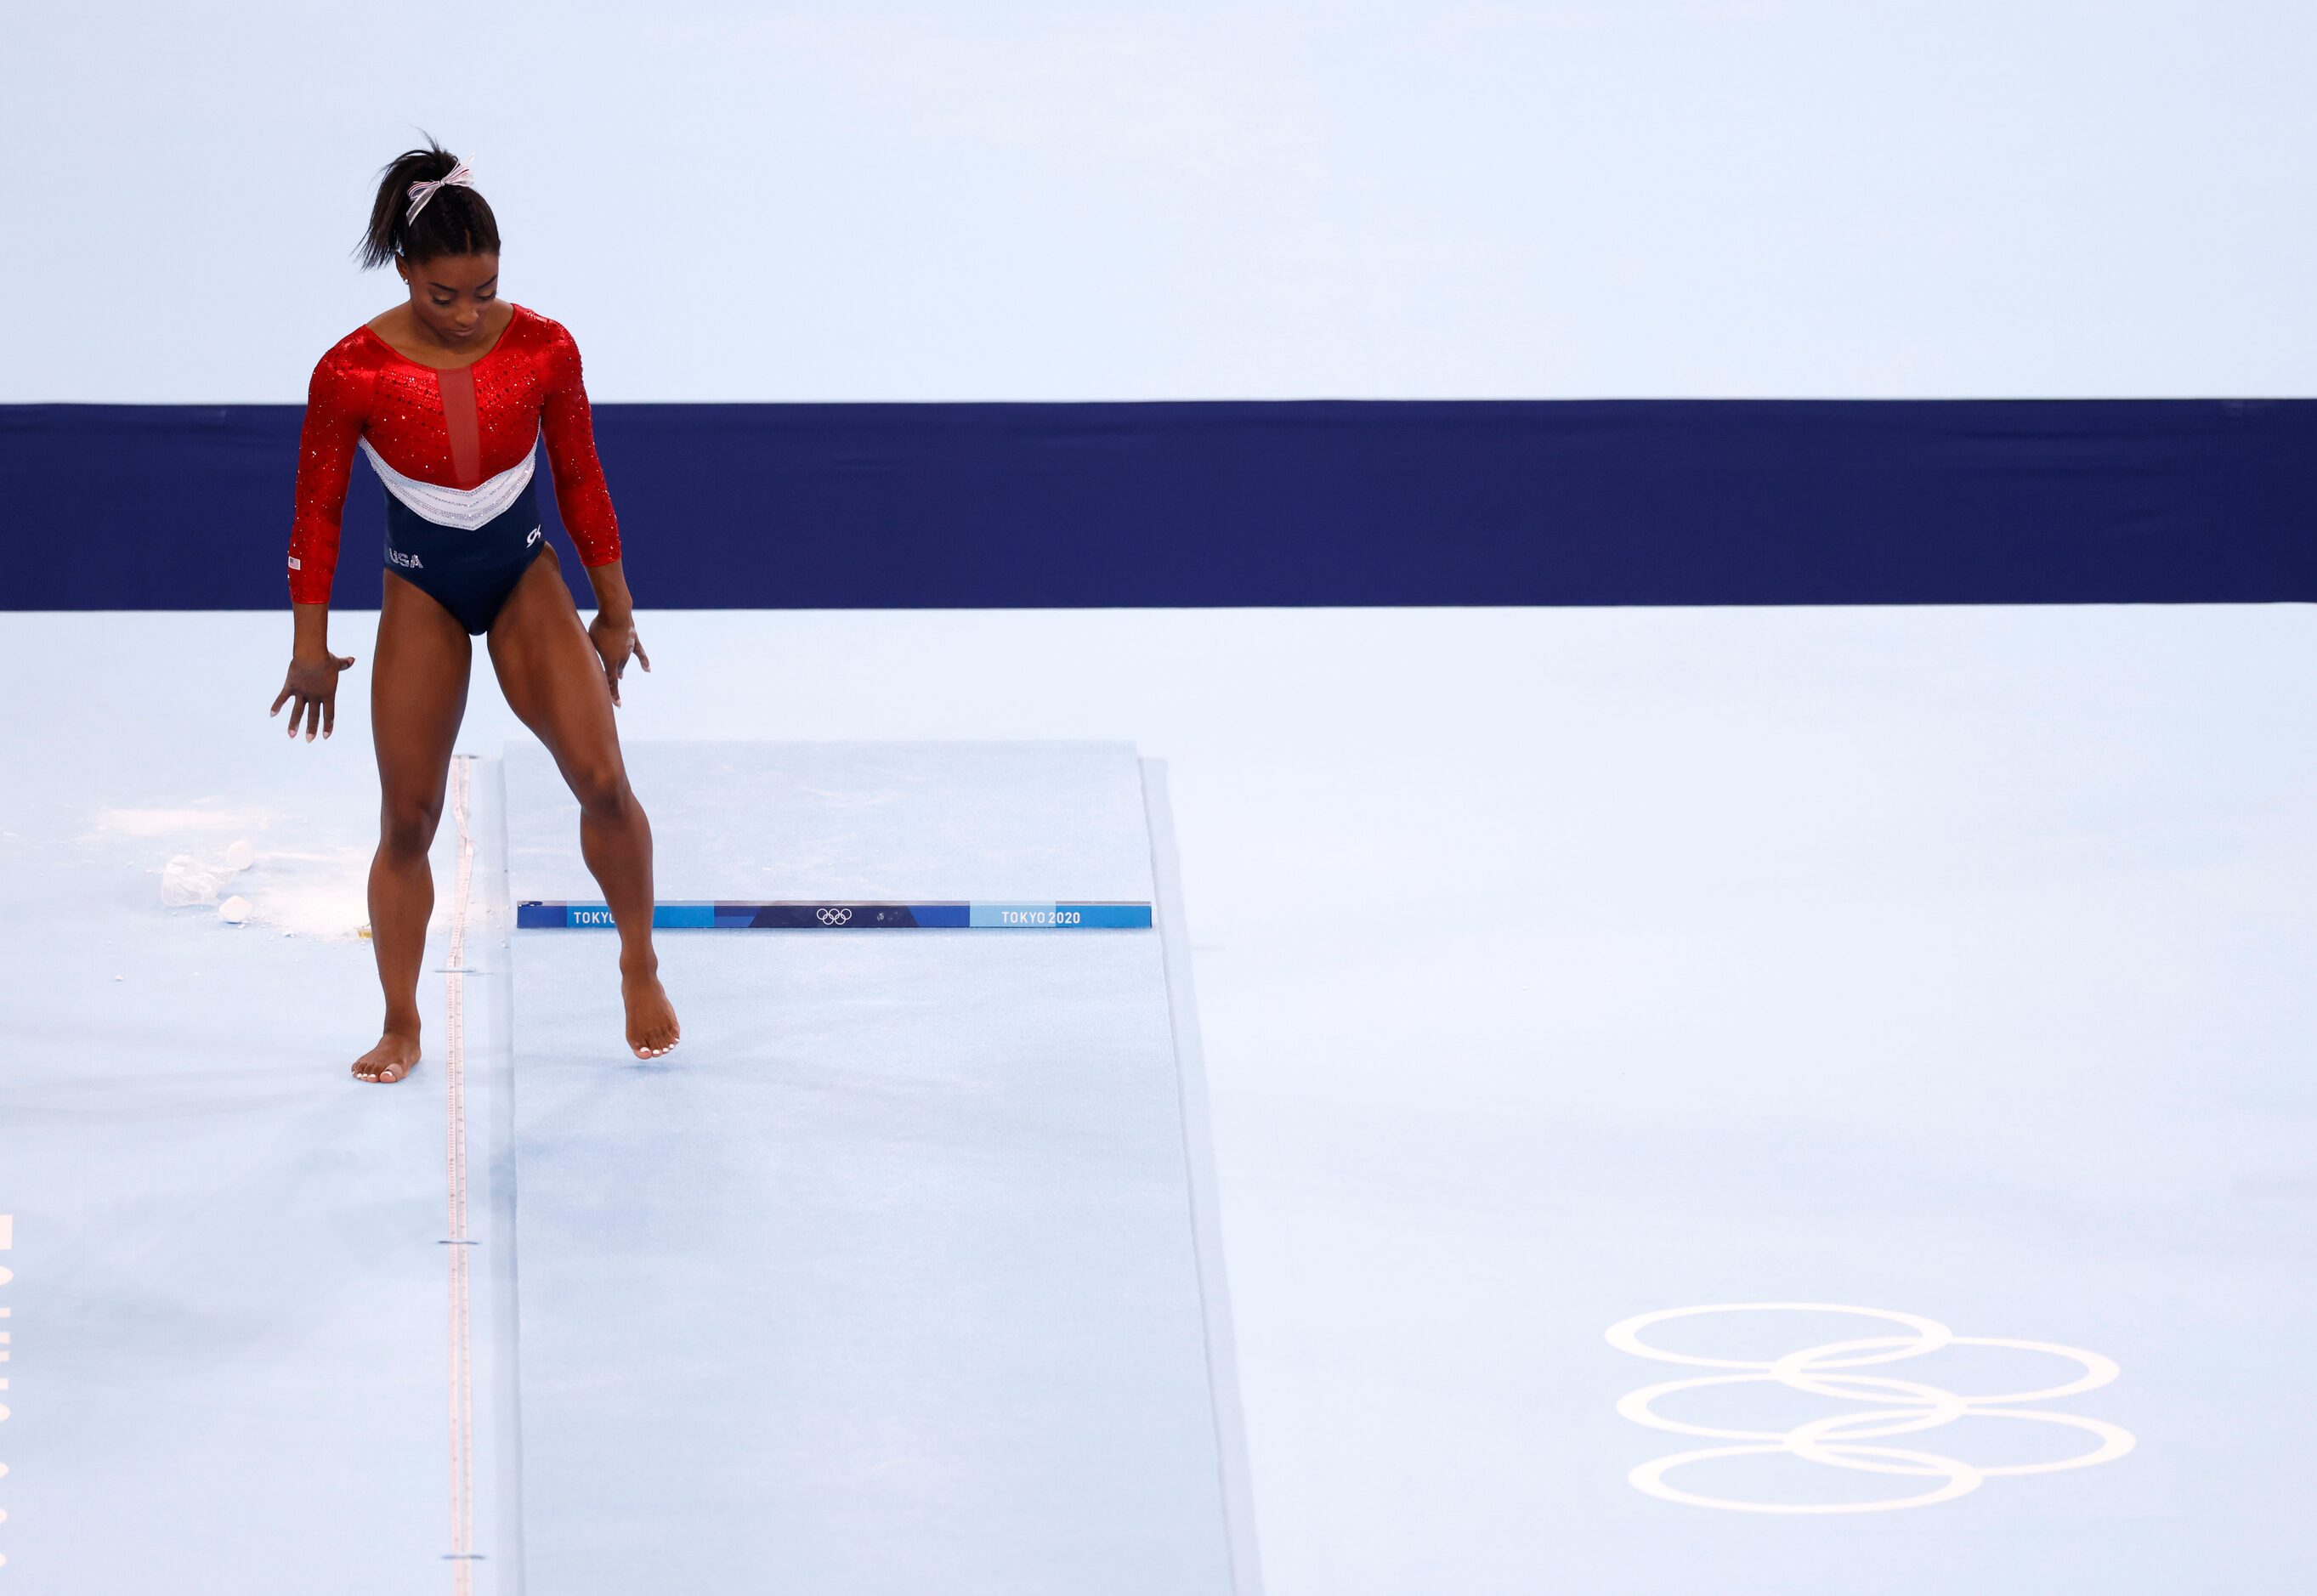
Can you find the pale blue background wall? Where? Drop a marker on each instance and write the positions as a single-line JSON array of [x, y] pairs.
[[1009, 200]]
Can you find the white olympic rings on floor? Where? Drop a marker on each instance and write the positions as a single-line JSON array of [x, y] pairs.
[[1903, 1407]]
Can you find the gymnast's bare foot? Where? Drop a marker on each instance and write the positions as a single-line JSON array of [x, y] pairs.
[[394, 1057], [652, 1029]]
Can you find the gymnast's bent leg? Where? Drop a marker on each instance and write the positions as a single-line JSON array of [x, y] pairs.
[[417, 697], [553, 680]]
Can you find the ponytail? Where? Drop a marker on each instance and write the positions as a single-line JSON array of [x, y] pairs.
[[455, 221]]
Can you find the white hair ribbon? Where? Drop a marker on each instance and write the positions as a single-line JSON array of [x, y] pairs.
[[458, 176]]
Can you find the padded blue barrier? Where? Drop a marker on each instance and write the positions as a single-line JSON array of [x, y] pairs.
[[1254, 503]]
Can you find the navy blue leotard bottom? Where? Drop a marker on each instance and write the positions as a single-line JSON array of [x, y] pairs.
[[469, 574]]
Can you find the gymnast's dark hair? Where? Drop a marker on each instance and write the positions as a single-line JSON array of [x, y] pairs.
[[456, 221]]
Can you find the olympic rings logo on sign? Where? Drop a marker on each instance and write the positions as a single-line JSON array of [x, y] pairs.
[[834, 916], [1838, 1440]]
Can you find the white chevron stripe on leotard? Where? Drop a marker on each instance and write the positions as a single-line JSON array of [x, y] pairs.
[[464, 508]]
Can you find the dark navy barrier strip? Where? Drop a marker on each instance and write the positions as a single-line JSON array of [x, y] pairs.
[[1295, 503], [536, 915]]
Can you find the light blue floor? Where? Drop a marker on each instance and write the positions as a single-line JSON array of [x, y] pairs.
[[227, 1318], [1553, 968]]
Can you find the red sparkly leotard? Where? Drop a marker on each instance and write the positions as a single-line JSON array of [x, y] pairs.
[[451, 429]]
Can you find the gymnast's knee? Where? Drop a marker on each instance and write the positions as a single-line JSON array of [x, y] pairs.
[[604, 794], [407, 826]]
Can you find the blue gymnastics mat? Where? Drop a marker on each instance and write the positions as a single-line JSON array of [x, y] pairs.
[[889, 1278]]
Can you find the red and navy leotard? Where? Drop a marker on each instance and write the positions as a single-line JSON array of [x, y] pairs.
[[445, 438]]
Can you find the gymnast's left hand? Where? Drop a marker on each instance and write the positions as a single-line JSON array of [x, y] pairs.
[[614, 637]]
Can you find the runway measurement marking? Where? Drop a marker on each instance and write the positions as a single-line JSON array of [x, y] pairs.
[[462, 1556]]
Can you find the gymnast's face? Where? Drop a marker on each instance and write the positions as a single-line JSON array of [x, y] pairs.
[[452, 295]]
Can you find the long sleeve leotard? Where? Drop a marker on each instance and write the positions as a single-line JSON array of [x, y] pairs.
[[451, 429]]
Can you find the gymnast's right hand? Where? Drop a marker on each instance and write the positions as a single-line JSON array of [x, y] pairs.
[[311, 692]]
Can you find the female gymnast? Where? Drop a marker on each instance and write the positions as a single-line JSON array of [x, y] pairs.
[[448, 394]]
